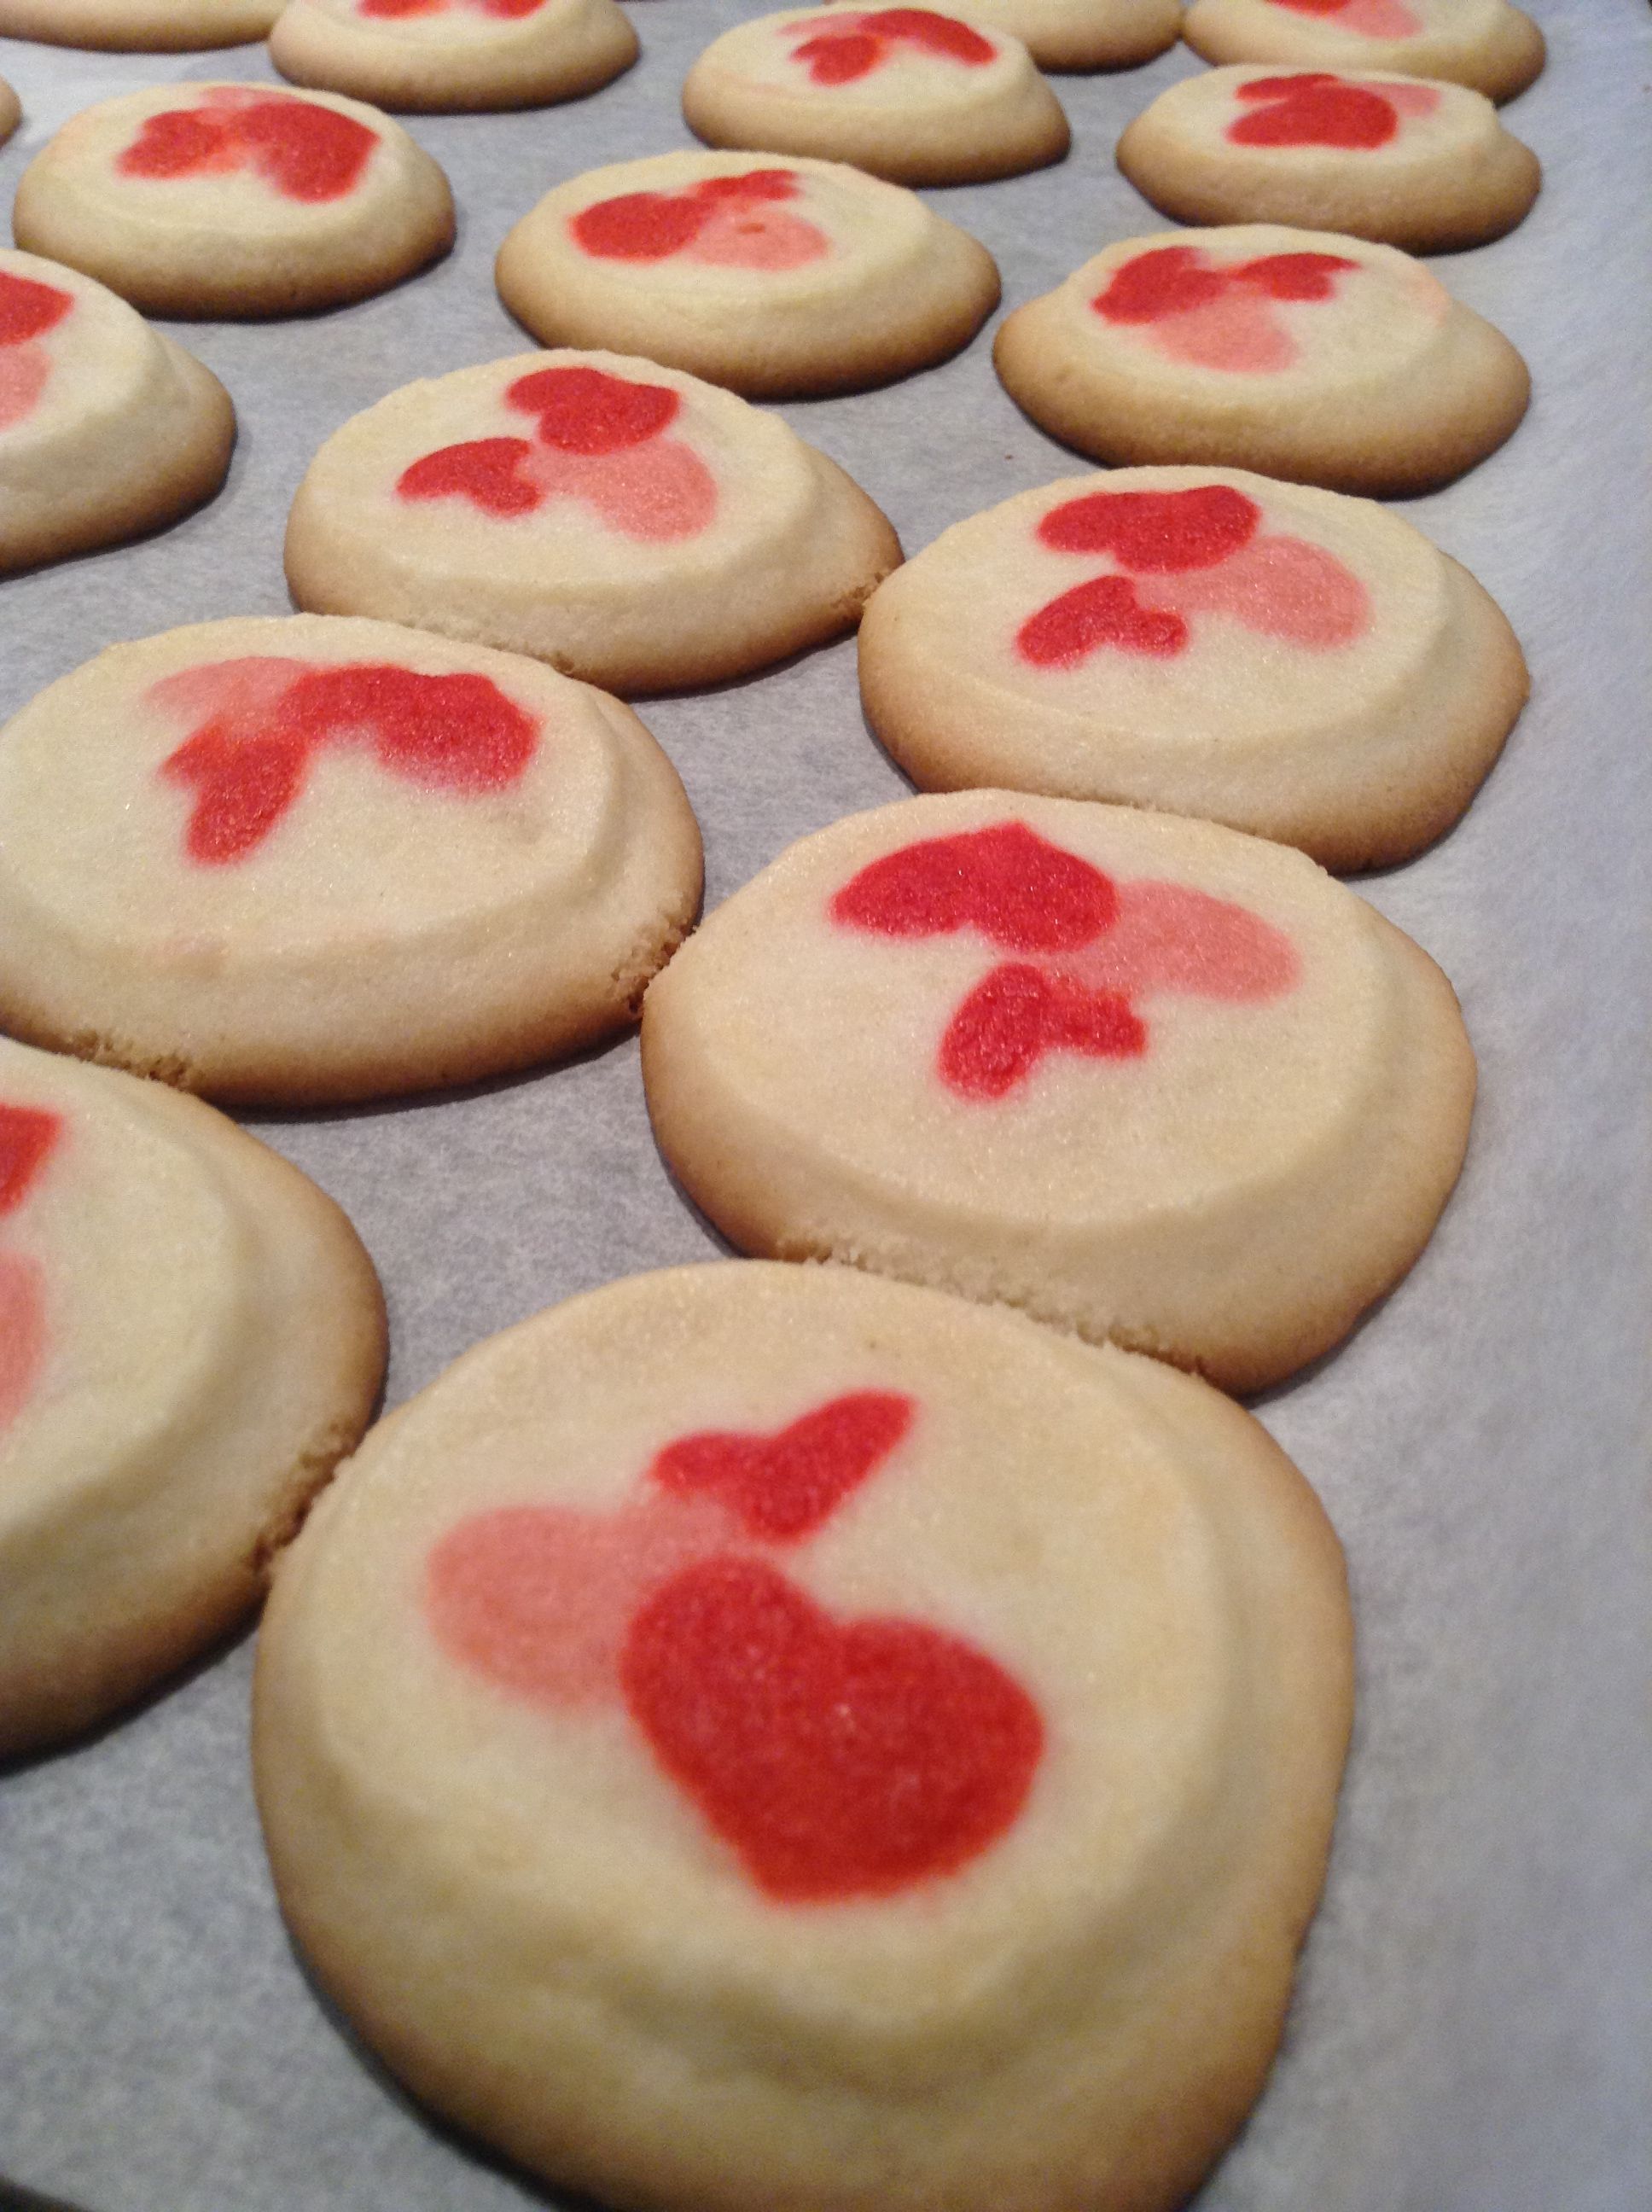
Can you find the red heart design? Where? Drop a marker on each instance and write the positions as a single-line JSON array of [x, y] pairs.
[[1171, 280], [585, 411], [304, 152], [1018, 1013], [486, 470], [27, 1134], [640, 226], [845, 47], [1103, 612], [1294, 276], [28, 310], [838, 1759], [1313, 110], [1155, 532], [784, 1485], [1006, 881]]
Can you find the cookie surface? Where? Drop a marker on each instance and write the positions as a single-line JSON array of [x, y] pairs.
[[11, 111], [907, 93], [190, 1335], [442, 56], [1085, 35], [1426, 166], [153, 26], [1298, 353], [225, 199], [1143, 1077], [754, 1736], [1290, 662], [310, 860], [773, 279], [630, 525], [107, 429], [1487, 43]]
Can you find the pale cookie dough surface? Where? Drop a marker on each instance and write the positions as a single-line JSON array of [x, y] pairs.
[[1298, 352], [192, 1336], [1487, 43], [154, 27], [442, 56], [628, 524], [907, 93], [311, 858], [1426, 166], [1143, 1077], [758, 1735], [107, 429], [11, 111], [1290, 662], [227, 199], [1083, 35], [773, 277]]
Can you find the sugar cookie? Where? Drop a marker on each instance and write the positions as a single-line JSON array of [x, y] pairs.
[[150, 26], [757, 1736], [907, 93], [1486, 44], [1290, 662], [628, 524], [1083, 35], [107, 429], [1298, 352], [447, 56], [773, 279], [228, 199], [190, 1335], [1144, 1077], [1427, 166], [311, 859]]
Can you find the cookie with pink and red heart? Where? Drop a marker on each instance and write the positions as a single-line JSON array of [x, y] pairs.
[[235, 200], [191, 1336], [151, 26], [447, 56], [775, 278], [1298, 353], [1292, 662], [107, 428], [310, 860], [1144, 1077], [910, 94], [1424, 165], [628, 524], [1489, 45], [761, 1735]]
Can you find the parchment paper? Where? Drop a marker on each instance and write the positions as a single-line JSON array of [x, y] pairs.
[[1471, 2031]]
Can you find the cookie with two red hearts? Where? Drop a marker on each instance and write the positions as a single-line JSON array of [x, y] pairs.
[[1085, 35], [909, 93], [442, 57], [151, 27], [760, 1736], [773, 277], [1292, 662], [190, 1335], [1488, 45], [1297, 353], [107, 427], [310, 860], [235, 200], [628, 524], [1424, 165], [1144, 1077]]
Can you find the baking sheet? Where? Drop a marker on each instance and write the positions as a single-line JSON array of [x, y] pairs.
[[1471, 2031]]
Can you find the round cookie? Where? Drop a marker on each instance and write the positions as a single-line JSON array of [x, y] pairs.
[[775, 280], [1083, 35], [290, 862], [1426, 166], [227, 199], [151, 26], [1485, 44], [906, 93], [1146, 1077], [107, 428], [448, 56], [190, 1335], [625, 522], [1290, 662], [755, 1736], [1298, 352]]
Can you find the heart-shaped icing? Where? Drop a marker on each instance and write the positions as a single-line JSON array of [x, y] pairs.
[[1007, 882], [1217, 315], [723, 221], [303, 151], [27, 311], [1105, 611], [506, 10], [1016, 1014], [1372, 19], [1154, 532], [29, 1135], [839, 49], [838, 1759], [1313, 110], [783, 1485]]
